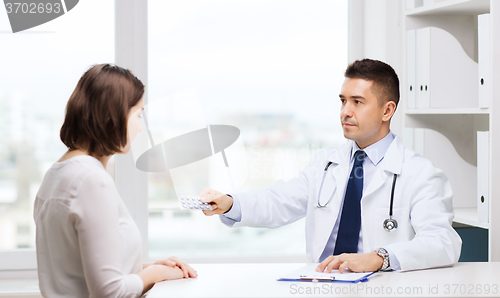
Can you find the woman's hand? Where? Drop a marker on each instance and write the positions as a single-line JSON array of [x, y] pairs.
[[168, 273], [155, 273], [166, 262], [176, 262], [164, 269]]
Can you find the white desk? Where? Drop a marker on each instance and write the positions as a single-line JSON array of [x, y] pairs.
[[259, 280]]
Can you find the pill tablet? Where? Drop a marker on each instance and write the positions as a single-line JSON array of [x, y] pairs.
[[193, 203]]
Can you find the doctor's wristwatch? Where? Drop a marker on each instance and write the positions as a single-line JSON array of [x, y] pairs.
[[385, 255]]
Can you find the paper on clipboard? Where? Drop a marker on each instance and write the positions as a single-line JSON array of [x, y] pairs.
[[308, 273]]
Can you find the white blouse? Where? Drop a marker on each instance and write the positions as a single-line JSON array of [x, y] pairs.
[[87, 243]]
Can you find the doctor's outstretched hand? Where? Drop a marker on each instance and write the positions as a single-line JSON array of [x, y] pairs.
[[220, 203], [354, 262]]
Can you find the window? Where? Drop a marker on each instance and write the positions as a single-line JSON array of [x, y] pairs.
[[273, 69], [40, 67]]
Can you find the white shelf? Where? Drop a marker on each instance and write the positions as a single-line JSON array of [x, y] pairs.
[[460, 123], [451, 111], [452, 7], [468, 216]]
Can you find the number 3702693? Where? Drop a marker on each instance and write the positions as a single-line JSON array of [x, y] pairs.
[[474, 289], [34, 7]]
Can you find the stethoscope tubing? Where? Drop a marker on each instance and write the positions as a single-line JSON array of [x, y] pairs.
[[392, 193], [321, 186]]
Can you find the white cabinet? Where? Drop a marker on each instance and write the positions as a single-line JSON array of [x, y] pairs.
[[484, 81], [483, 193], [423, 67], [446, 76], [411, 71], [450, 101]]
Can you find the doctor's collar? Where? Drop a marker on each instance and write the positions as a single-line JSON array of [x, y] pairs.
[[375, 151]]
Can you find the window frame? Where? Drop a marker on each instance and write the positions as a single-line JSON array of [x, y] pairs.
[[353, 10], [131, 51], [18, 259]]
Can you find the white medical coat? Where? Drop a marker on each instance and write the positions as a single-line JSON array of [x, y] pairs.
[[422, 206]]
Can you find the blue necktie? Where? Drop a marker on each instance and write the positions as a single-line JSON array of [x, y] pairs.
[[350, 220]]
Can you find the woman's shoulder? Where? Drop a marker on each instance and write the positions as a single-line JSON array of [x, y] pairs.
[[65, 178], [69, 184]]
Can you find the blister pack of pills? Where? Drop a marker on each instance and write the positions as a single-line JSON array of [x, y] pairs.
[[193, 202]]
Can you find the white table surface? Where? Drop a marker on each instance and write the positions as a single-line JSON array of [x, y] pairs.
[[260, 280]]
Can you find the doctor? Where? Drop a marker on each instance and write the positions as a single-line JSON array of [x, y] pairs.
[[370, 204]]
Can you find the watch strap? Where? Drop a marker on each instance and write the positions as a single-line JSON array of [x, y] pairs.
[[385, 255]]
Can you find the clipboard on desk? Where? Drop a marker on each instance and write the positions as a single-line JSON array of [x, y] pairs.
[[308, 273]]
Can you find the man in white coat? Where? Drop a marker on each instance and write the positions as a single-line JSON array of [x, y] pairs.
[[345, 192]]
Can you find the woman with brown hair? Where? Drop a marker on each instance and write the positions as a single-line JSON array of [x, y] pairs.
[[87, 242]]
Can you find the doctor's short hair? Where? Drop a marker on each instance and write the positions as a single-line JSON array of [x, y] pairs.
[[384, 78], [97, 112]]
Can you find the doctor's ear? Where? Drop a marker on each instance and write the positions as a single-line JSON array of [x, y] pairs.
[[389, 110]]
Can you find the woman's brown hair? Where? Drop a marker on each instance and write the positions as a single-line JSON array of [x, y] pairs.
[[97, 111]]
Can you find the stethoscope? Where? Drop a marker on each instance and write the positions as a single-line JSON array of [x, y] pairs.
[[390, 224]]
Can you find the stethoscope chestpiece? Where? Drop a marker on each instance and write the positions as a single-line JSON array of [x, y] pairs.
[[390, 224]]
